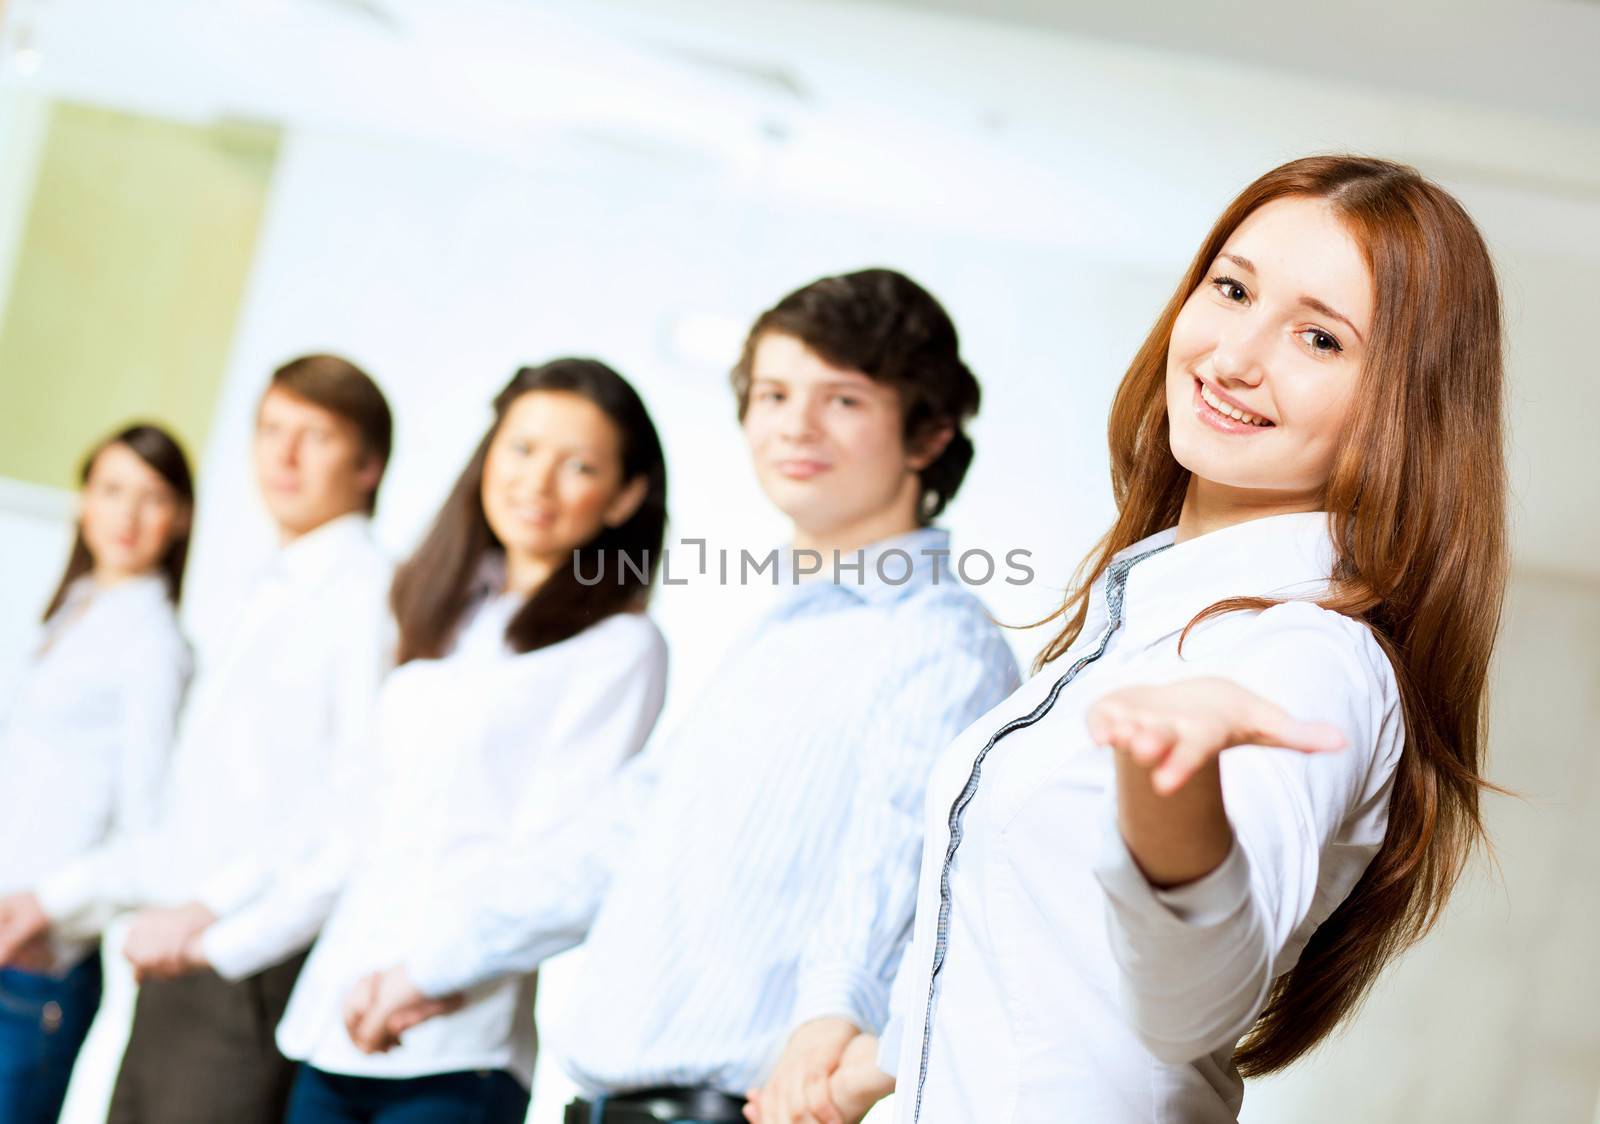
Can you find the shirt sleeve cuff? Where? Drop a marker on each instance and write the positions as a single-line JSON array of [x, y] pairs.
[[845, 992], [1206, 901], [889, 1043], [68, 896], [230, 954], [437, 972]]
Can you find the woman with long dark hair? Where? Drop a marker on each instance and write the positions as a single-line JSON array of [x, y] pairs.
[[84, 736], [523, 683], [1284, 640]]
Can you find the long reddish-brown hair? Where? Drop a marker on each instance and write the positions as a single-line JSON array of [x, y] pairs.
[[1416, 502]]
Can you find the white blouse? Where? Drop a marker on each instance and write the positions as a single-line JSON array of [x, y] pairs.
[[86, 728], [482, 750], [286, 703], [1070, 988]]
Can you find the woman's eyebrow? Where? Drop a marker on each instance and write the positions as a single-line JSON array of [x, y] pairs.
[[1319, 306], [1242, 262]]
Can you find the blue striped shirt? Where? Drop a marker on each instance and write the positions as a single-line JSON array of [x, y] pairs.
[[757, 868]]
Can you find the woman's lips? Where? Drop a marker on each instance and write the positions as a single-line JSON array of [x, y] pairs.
[[1219, 421]]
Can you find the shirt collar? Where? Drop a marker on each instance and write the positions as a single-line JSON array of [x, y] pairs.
[[878, 574], [1278, 556], [150, 586], [311, 557]]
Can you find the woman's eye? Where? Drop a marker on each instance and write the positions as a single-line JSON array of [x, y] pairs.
[[846, 400], [1230, 289], [1321, 342]]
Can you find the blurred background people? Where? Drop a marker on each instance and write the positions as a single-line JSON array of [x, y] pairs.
[[522, 686], [756, 870], [282, 711], [84, 736]]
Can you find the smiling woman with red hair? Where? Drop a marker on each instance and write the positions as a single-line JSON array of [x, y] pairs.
[[1284, 641]]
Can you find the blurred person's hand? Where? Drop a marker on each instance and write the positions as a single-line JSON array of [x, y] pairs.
[[36, 956], [384, 1005], [797, 1091], [23, 925], [858, 1083], [164, 943]]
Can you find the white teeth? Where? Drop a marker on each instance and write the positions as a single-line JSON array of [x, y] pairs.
[[1222, 407]]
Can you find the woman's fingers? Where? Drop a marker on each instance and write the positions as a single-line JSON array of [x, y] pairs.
[[356, 1002], [1153, 740], [1178, 766], [819, 1101], [1309, 737], [1145, 736]]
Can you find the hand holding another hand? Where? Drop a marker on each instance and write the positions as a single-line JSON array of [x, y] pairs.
[[164, 943], [382, 1006], [828, 1074]]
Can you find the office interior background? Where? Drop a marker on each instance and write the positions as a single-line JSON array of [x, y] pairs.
[[192, 192]]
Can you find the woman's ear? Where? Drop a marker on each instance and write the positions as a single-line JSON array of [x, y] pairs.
[[927, 446], [627, 502]]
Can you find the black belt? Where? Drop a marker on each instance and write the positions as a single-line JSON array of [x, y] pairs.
[[659, 1106]]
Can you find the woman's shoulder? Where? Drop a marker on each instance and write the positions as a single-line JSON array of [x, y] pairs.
[[1292, 649], [630, 630], [1292, 625]]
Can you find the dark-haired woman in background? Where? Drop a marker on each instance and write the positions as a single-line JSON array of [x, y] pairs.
[[520, 689], [84, 736]]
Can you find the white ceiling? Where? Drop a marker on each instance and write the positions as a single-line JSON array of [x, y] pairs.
[[1533, 56]]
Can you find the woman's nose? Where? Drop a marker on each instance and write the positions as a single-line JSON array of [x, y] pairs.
[[1239, 359]]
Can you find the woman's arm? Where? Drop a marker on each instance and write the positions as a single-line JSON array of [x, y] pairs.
[[1168, 742], [1212, 860]]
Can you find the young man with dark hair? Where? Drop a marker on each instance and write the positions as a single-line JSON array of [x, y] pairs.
[[282, 710], [756, 871]]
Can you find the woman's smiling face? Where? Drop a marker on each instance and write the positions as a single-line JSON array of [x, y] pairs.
[[1265, 355]]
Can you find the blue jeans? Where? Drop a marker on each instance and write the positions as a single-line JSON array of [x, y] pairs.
[[489, 1096], [43, 1021]]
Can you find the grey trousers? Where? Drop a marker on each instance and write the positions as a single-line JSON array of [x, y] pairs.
[[202, 1051]]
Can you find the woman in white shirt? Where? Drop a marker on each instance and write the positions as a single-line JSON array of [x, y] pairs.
[[85, 728], [1284, 642], [521, 687]]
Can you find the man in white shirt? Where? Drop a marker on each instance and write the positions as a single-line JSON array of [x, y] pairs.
[[272, 722], [756, 870]]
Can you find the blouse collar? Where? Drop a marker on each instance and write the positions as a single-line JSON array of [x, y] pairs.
[[1277, 556]]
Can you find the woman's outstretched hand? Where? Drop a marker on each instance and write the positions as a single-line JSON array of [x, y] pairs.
[[1175, 729]]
